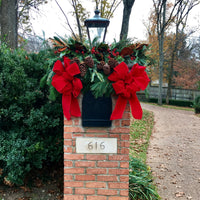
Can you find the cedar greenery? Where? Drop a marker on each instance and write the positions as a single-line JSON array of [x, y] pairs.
[[96, 63]]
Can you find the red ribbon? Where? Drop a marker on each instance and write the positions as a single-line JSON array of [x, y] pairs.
[[68, 85], [126, 84]]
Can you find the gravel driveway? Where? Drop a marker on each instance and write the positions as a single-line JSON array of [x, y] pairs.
[[174, 153]]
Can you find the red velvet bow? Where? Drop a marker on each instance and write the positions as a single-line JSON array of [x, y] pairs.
[[126, 84], [68, 85]]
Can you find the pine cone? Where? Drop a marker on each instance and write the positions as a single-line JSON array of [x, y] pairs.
[[75, 60], [100, 65], [83, 69], [89, 61], [113, 63], [106, 69]]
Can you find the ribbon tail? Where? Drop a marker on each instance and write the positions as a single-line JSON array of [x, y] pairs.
[[66, 103], [136, 108], [75, 109], [119, 108]]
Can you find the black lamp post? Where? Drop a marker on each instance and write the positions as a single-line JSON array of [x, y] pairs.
[[96, 26]]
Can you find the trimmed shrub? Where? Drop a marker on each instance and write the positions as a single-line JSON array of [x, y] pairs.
[[173, 102], [30, 124], [196, 105]]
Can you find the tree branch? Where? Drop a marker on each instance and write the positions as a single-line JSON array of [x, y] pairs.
[[66, 19]]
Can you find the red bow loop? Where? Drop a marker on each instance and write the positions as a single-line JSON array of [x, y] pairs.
[[68, 85], [58, 68], [126, 84]]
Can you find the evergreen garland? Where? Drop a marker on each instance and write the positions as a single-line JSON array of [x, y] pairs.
[[96, 63]]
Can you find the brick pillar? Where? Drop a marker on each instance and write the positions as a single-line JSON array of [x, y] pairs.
[[102, 176]]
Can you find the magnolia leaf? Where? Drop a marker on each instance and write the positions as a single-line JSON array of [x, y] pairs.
[[62, 54], [99, 76], [92, 76], [43, 80], [49, 78]]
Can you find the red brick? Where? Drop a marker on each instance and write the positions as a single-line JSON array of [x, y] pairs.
[[73, 197], [78, 135], [96, 198], [73, 129], [102, 136], [68, 191], [124, 144], [119, 157], [124, 178], [68, 142], [90, 135], [95, 157], [68, 122], [124, 151], [116, 123], [74, 170], [68, 163], [77, 122], [85, 164], [120, 130], [113, 135], [118, 198], [118, 185], [124, 164], [126, 115], [73, 156], [106, 178], [127, 108], [96, 130], [67, 135], [119, 171], [125, 122], [125, 136], [107, 164], [107, 192], [85, 177], [84, 191], [67, 149], [94, 184], [124, 192], [96, 171], [68, 177], [73, 184]]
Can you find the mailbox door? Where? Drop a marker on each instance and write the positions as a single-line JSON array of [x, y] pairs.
[[96, 112]]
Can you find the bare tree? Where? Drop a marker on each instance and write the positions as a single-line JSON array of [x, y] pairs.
[[160, 10], [180, 20], [128, 4], [163, 20], [107, 8]]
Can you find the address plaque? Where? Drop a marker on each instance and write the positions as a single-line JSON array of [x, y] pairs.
[[96, 145]]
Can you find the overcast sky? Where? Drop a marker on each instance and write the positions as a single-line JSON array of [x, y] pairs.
[[52, 21]]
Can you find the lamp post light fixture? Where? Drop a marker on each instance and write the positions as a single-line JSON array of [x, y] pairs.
[[96, 27]]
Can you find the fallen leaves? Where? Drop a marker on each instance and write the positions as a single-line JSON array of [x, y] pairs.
[[179, 194]]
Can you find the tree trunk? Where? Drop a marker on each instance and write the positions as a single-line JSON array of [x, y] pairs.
[[9, 22], [161, 62], [170, 78], [128, 4], [161, 33]]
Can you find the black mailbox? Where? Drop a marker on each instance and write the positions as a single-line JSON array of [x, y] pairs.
[[96, 112]]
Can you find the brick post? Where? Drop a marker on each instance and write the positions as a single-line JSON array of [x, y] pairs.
[[103, 176]]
